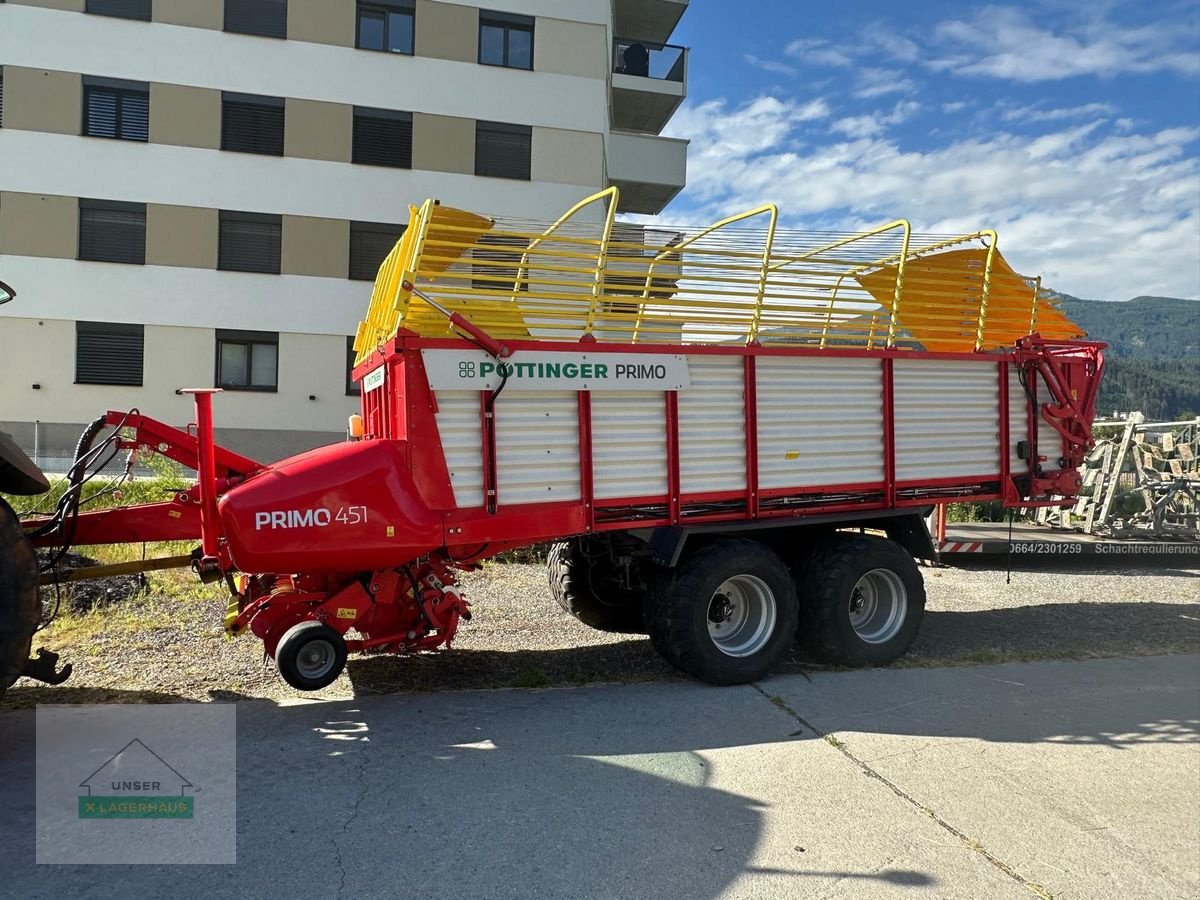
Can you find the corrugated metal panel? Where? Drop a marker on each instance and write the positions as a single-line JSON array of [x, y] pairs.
[[712, 426], [458, 422], [537, 447], [947, 419], [1049, 442], [820, 421], [1018, 421], [629, 444]]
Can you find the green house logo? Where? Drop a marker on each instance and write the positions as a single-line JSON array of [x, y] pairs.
[[136, 783]]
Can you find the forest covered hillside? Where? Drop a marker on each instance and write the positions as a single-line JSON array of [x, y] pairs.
[[1153, 361]]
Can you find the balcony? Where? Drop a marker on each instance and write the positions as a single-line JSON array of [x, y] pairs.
[[650, 170], [649, 81], [650, 19]]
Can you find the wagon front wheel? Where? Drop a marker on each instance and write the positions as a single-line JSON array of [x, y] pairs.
[[310, 656], [726, 615]]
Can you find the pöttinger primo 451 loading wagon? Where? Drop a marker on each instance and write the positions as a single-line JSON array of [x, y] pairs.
[[729, 434]]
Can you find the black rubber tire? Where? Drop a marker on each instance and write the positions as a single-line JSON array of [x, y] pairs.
[[578, 593], [20, 603], [826, 579], [677, 611], [294, 642]]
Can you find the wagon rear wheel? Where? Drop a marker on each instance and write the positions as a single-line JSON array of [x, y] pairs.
[[20, 605], [726, 615], [862, 599], [578, 585]]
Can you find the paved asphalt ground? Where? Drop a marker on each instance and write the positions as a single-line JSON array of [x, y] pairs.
[[1045, 779]]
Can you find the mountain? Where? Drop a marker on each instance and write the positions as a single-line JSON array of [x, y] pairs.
[[1153, 360]]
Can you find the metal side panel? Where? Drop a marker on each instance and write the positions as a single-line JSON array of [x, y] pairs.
[[537, 447], [820, 421], [947, 419], [629, 444], [458, 422], [1018, 421], [712, 425], [1050, 443]]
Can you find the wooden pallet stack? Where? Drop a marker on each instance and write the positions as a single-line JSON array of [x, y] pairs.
[[1159, 463]]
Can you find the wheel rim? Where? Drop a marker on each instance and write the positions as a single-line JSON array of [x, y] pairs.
[[741, 615], [878, 606], [316, 659]]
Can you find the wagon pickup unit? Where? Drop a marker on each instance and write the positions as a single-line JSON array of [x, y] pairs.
[[728, 435]]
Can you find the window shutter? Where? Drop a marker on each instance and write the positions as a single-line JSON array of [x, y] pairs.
[[1, 96], [370, 243], [108, 353], [249, 242], [252, 124], [135, 117], [112, 232], [123, 9], [488, 274], [502, 151], [382, 138], [267, 18]]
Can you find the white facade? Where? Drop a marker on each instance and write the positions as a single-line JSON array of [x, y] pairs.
[[181, 296]]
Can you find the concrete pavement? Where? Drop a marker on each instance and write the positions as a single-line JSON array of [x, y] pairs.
[[1071, 779]]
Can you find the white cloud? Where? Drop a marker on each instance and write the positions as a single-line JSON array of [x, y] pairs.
[[769, 65], [1038, 114], [876, 123], [879, 82], [954, 106], [1006, 43], [1100, 213], [818, 52]]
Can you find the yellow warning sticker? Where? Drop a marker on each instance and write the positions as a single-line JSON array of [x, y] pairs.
[[391, 531], [174, 514], [347, 612], [791, 454]]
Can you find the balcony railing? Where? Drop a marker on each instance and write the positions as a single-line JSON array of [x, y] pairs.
[[646, 59]]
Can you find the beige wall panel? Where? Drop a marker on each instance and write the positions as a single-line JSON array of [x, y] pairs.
[[194, 13], [570, 48], [567, 157], [314, 129], [447, 31], [42, 100], [39, 225], [72, 5], [321, 21], [443, 143], [181, 236], [185, 116], [315, 247]]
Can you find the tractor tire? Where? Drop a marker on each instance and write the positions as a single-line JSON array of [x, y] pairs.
[[862, 600], [593, 602], [20, 603], [310, 656], [727, 615]]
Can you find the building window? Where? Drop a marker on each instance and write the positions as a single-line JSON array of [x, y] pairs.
[[385, 25], [382, 137], [122, 9], [116, 109], [266, 18], [252, 124], [497, 270], [249, 242], [505, 40], [108, 353], [370, 243], [112, 232], [502, 151], [353, 388], [247, 360], [1, 96]]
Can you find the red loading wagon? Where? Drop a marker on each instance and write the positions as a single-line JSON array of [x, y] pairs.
[[729, 435]]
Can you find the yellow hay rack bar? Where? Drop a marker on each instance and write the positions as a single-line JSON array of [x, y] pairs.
[[737, 280]]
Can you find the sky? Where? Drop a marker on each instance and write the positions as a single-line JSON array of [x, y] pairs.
[[1072, 128]]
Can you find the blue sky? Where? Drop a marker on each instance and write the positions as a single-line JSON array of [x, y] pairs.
[[1072, 128]]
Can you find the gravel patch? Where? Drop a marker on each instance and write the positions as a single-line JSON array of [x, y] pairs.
[[520, 638]]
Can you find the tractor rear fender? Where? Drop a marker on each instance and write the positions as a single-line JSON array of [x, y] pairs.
[[18, 473]]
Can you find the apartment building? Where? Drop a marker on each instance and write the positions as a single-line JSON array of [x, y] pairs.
[[199, 192]]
